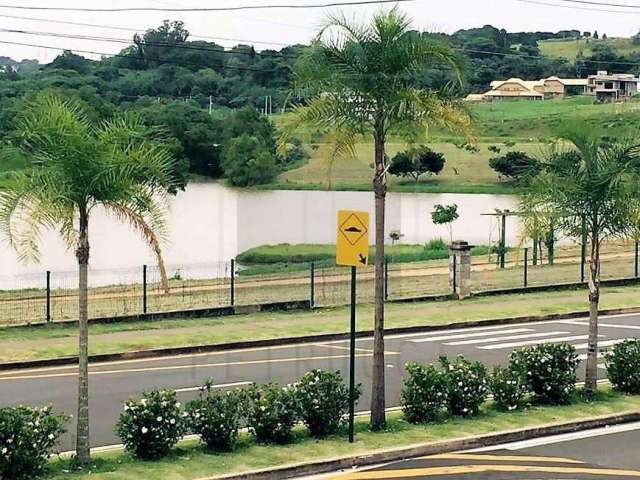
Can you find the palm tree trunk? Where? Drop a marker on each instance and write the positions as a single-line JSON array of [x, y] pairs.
[[83, 454], [591, 376], [378, 418]]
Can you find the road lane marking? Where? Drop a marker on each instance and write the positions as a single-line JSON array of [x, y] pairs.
[[470, 335], [462, 329], [470, 469], [606, 343], [500, 458], [508, 337], [220, 385], [182, 367], [534, 342], [606, 325], [358, 349]]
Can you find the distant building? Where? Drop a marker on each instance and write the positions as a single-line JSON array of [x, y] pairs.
[[612, 87], [516, 88]]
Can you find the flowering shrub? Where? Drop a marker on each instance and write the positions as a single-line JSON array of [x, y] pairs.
[[549, 371], [150, 427], [466, 385], [272, 411], [424, 393], [508, 388], [323, 400], [623, 366], [27, 436], [216, 416]]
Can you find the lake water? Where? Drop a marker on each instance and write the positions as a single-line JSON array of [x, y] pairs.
[[209, 224]]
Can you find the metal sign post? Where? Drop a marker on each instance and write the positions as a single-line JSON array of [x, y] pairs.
[[352, 249]]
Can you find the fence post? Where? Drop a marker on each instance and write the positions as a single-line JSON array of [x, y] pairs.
[[233, 282], [49, 296], [312, 279], [144, 289], [636, 259], [503, 240], [535, 249], [526, 267], [386, 278], [454, 278]]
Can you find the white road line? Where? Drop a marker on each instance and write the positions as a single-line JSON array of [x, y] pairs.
[[534, 342], [606, 343], [605, 325], [566, 437], [470, 335], [511, 337], [460, 329], [220, 385], [584, 356]]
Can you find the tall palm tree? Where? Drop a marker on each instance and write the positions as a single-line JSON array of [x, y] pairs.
[[76, 167], [362, 80], [591, 189]]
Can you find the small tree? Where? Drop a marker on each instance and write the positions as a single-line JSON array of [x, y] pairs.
[[445, 215], [595, 190], [248, 162], [416, 162], [395, 236], [515, 165]]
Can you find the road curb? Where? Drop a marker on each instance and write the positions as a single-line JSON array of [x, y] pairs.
[[277, 342], [394, 455]]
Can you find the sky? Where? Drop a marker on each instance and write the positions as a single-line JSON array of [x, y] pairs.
[[275, 28]]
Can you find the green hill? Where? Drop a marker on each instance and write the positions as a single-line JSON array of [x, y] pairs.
[[569, 48]]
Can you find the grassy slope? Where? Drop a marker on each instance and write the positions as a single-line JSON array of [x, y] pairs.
[[189, 461], [569, 48], [30, 343]]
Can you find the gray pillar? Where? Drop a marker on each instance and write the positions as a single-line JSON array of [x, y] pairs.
[[461, 261]]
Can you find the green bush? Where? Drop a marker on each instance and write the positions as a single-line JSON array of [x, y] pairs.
[[216, 417], [549, 371], [323, 400], [27, 437], [466, 385], [623, 366], [151, 426], [509, 390], [424, 393], [272, 411], [248, 162]]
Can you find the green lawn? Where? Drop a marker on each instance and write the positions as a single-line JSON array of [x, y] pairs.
[[190, 461], [569, 48], [29, 343]]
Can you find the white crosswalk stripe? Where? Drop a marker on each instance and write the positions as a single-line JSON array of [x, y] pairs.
[[508, 337], [471, 335], [534, 342], [606, 343], [602, 325]]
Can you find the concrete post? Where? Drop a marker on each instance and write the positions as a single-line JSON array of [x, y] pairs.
[[460, 269]]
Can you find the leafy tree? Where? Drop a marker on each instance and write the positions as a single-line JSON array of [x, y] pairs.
[[76, 168], [445, 215], [593, 191], [516, 165], [247, 162], [361, 81], [416, 162]]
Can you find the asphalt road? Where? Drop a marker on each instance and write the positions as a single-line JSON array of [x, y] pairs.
[[611, 453], [114, 382]]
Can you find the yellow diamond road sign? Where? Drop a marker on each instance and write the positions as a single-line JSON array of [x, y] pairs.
[[352, 247]]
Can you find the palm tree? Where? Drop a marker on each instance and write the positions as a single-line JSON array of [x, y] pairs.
[[592, 189], [362, 80], [76, 167]]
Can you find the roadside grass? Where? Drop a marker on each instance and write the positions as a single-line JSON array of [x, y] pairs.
[[190, 461], [569, 48], [30, 343]]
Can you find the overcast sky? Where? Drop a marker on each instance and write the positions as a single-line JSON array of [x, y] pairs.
[[287, 26]]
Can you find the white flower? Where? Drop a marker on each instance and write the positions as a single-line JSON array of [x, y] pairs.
[[172, 421], [144, 430], [4, 450], [51, 436], [159, 419]]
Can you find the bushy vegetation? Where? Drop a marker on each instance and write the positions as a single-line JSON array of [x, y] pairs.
[[509, 389], [415, 162], [548, 370], [515, 165], [466, 385], [27, 438], [424, 393], [151, 426], [623, 366], [272, 411]]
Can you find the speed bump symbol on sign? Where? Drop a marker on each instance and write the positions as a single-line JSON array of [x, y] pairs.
[[352, 247]]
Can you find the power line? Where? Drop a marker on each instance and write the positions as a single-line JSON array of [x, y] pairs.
[[575, 7], [210, 9], [602, 4]]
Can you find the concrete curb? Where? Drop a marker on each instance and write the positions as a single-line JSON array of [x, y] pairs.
[[277, 342], [393, 455]]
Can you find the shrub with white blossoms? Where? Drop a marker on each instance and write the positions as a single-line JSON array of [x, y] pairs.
[[27, 438], [510, 391], [466, 385], [216, 417], [424, 393], [549, 370], [151, 426], [323, 399], [272, 411], [623, 366]]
